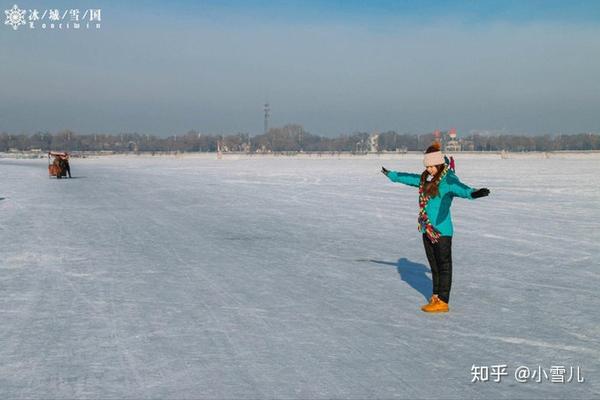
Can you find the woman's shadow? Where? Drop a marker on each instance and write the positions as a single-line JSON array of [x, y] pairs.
[[412, 273]]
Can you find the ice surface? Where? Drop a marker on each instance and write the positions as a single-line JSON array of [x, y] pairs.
[[292, 278]]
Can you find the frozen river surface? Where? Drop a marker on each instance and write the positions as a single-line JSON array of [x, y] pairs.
[[291, 278]]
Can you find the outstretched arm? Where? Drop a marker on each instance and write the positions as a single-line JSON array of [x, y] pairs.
[[402, 177], [461, 190]]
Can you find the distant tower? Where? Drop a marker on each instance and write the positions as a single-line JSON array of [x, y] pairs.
[[267, 116], [437, 136], [374, 142], [453, 144]]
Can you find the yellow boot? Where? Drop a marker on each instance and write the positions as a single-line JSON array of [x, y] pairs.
[[437, 306], [432, 299]]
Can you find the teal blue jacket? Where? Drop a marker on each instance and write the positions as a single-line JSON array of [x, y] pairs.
[[438, 208]]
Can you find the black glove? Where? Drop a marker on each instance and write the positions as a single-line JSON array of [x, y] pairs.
[[480, 193], [385, 171]]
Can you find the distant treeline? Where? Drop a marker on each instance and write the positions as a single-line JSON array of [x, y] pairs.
[[290, 138]]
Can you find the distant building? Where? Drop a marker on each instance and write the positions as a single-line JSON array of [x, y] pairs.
[[452, 144], [467, 145]]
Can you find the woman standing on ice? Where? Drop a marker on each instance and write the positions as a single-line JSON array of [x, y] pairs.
[[438, 185]]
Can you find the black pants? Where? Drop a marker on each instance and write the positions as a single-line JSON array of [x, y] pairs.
[[439, 256]]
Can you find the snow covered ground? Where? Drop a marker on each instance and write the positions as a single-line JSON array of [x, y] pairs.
[[292, 278]]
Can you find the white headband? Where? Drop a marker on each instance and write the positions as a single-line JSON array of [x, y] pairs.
[[435, 158]]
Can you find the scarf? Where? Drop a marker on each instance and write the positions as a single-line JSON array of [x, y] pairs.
[[423, 220]]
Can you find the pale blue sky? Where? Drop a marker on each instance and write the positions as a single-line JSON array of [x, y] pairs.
[[335, 67]]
